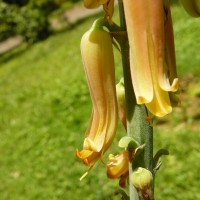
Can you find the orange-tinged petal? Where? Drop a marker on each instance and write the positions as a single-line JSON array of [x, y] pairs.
[[88, 157], [117, 165], [152, 54], [137, 27], [160, 104], [141, 79], [98, 59]]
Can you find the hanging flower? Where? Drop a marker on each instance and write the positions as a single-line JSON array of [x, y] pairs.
[[98, 59], [152, 58]]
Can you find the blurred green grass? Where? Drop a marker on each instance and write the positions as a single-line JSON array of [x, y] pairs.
[[44, 111]]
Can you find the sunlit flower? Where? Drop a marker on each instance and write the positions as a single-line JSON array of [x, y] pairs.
[[108, 6], [152, 57], [117, 167], [98, 59]]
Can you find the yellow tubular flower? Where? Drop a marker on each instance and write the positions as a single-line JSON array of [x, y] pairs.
[[117, 167], [98, 59], [152, 57]]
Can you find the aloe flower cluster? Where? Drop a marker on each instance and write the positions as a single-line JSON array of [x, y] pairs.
[[153, 74]]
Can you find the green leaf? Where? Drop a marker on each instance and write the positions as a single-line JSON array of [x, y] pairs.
[[128, 142]]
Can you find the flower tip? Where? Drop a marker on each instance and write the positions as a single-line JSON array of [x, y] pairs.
[[164, 113], [142, 100], [166, 86], [175, 85], [82, 157]]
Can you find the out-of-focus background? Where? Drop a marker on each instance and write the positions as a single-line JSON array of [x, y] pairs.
[[45, 106]]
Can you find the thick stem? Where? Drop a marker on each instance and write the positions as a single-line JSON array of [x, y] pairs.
[[137, 126], [129, 95]]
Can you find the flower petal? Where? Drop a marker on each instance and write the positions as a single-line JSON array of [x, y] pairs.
[[167, 74], [118, 165], [98, 59]]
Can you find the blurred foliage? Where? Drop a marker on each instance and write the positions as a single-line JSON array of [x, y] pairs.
[[28, 18]]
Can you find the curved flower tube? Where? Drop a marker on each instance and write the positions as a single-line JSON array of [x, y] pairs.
[[152, 56], [98, 59]]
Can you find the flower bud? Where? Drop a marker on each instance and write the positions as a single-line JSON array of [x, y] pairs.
[[141, 179], [121, 101], [152, 58]]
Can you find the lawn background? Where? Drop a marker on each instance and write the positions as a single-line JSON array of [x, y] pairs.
[[45, 108]]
